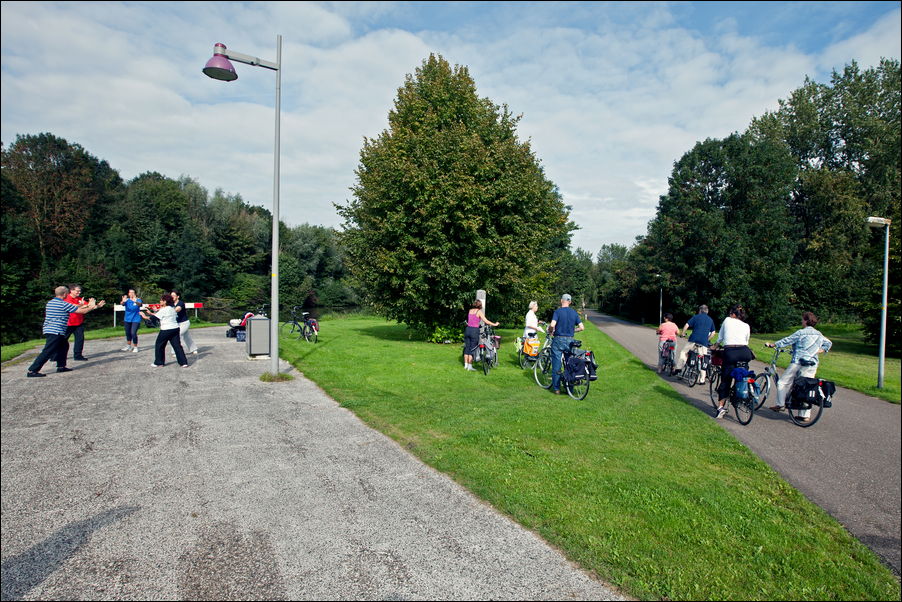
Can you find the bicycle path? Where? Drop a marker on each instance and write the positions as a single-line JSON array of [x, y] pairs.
[[121, 481], [848, 463]]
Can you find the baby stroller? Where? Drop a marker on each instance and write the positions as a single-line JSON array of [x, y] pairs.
[[238, 327]]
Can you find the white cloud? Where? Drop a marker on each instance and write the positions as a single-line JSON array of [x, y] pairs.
[[609, 99]]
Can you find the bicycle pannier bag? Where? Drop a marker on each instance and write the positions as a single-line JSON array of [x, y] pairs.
[[717, 357], [496, 341], [705, 362], [741, 376], [531, 346], [574, 369], [805, 392]]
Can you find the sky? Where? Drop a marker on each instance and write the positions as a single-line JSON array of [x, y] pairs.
[[611, 93]]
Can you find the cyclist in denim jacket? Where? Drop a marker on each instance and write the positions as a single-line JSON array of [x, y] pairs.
[[807, 343]]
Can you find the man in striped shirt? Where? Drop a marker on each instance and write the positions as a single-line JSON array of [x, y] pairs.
[[56, 321]]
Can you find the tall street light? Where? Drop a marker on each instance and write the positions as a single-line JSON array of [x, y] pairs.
[[220, 68], [882, 222]]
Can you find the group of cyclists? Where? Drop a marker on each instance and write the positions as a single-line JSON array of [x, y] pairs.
[[732, 343]]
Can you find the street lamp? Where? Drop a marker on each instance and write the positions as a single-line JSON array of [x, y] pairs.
[[882, 222], [220, 68], [660, 299]]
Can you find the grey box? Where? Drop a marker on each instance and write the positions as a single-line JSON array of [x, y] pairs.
[[257, 336]]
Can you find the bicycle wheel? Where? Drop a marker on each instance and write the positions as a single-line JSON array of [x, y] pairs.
[[542, 369], [693, 375], [290, 330], [762, 385], [486, 362], [795, 413], [745, 409], [713, 384], [309, 333], [579, 389]]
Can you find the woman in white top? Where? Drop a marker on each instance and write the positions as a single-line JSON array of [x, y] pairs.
[[733, 338], [169, 333], [532, 321]]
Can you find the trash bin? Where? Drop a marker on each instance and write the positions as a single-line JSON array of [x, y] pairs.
[[257, 336]]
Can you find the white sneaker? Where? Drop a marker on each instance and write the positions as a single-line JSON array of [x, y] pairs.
[[722, 412], [134, 350], [155, 366], [126, 348], [194, 352]]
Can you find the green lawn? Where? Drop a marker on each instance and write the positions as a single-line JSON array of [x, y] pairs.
[[632, 483]]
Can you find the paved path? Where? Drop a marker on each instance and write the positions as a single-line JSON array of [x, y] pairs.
[[120, 481], [848, 463]]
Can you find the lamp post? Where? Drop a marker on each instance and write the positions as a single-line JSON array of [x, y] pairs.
[[660, 299], [882, 222], [220, 68]]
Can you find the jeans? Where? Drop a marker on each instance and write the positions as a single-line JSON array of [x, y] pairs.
[[131, 332], [79, 343], [558, 346]]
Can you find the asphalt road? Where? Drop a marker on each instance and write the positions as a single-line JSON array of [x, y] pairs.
[[120, 481], [848, 463]]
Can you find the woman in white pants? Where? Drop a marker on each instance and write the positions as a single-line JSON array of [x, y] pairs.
[[807, 343], [181, 313]]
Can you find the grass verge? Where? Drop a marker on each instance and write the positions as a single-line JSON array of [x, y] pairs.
[[632, 483]]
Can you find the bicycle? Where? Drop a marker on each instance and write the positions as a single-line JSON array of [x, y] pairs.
[[487, 351], [695, 363], [714, 369], [795, 405], [769, 376], [744, 395], [524, 358], [576, 387], [666, 360], [306, 326]]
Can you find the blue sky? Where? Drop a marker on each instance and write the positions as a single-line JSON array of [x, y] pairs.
[[611, 93]]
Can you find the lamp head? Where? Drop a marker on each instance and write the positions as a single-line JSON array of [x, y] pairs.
[[219, 67], [878, 222]]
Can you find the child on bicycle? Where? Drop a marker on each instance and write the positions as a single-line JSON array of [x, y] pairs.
[[667, 331]]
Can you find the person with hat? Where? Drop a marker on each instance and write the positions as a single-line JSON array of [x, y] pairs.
[[564, 324]]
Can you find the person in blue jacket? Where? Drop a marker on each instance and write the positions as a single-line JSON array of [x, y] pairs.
[[132, 320]]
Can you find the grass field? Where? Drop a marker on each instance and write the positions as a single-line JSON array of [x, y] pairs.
[[632, 483]]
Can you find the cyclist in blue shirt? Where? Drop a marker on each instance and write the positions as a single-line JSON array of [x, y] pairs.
[[702, 327], [564, 324]]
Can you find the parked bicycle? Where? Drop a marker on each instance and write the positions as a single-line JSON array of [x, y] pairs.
[[529, 348], [487, 351], [575, 377], [303, 326]]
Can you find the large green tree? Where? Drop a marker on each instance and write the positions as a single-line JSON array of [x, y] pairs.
[[448, 200]]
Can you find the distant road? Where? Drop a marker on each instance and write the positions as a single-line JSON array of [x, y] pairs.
[[848, 463]]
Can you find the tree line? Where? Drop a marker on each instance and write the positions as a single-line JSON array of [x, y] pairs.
[[68, 217], [449, 200], [775, 217]]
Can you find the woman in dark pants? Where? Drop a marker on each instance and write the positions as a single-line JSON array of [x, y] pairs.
[[169, 333], [734, 339], [471, 335]]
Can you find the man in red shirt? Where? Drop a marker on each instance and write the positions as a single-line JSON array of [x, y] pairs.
[[77, 322]]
